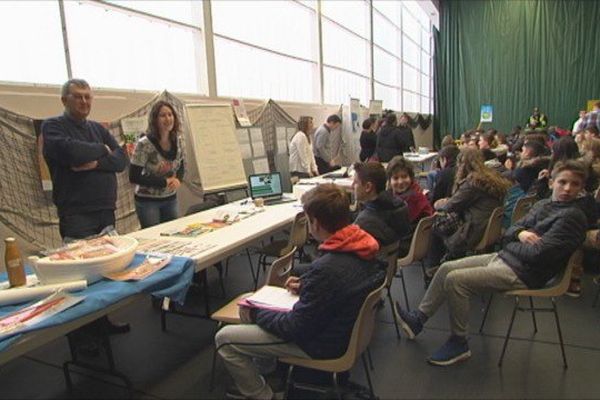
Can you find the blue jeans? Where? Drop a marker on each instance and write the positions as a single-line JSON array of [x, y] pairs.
[[154, 212]]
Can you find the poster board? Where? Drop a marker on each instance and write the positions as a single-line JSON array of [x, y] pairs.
[[217, 152]]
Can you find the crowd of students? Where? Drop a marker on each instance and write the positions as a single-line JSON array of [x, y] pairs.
[[473, 176]]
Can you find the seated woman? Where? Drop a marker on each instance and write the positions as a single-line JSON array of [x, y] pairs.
[[478, 190], [302, 159], [157, 167]]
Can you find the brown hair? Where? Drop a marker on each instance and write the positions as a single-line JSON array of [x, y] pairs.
[[470, 166], [371, 172], [447, 141], [303, 124], [574, 166], [329, 204], [398, 164], [153, 120]]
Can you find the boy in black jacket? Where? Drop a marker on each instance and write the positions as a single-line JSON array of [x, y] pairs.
[[534, 250], [331, 294]]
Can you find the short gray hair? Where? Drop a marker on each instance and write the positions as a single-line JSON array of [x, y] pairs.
[[77, 82]]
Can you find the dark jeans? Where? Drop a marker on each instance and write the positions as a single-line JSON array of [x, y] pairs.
[[154, 212], [324, 167], [301, 175], [79, 226]]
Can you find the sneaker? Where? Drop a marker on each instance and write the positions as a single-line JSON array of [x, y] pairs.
[[574, 290], [454, 350], [409, 321]]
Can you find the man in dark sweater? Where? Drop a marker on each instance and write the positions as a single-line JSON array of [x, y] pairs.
[[330, 293], [381, 215], [534, 250], [83, 158]]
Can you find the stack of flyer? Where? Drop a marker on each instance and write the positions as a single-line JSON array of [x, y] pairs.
[[271, 298]]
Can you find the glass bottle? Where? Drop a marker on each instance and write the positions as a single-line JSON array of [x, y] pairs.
[[14, 263]]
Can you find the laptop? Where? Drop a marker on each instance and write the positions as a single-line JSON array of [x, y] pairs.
[[268, 187]]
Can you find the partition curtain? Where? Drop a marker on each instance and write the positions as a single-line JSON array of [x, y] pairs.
[[516, 55]]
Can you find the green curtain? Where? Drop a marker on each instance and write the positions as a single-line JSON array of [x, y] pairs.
[[516, 55]]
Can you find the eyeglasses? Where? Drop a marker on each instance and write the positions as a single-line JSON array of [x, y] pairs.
[[81, 97]]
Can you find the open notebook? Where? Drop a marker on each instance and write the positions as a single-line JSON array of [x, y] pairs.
[[271, 298]]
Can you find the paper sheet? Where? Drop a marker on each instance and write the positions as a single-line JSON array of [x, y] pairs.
[[134, 125], [280, 133], [272, 298], [282, 147], [258, 149], [256, 135], [30, 292], [260, 165], [290, 134], [174, 247], [246, 150], [242, 136]]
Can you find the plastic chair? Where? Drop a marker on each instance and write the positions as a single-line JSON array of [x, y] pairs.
[[522, 207], [298, 237], [278, 273], [390, 254], [493, 231], [359, 340], [556, 288], [417, 252]]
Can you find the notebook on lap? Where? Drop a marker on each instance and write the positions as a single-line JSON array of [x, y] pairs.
[[268, 187]]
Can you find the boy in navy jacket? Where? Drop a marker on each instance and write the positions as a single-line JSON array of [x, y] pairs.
[[330, 293]]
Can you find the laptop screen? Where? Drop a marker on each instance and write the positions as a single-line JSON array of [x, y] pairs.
[[265, 185]]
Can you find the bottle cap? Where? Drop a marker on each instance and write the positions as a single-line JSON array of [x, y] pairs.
[[9, 239]]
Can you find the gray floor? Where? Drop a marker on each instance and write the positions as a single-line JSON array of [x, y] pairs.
[[176, 363]]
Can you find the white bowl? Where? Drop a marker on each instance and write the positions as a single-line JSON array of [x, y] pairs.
[[91, 269]]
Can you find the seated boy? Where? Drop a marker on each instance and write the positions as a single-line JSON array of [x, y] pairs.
[[402, 183], [535, 250], [331, 294], [383, 216]]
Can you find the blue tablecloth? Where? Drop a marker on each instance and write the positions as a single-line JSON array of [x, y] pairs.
[[172, 281]]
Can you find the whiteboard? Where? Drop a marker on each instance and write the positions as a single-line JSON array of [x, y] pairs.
[[217, 152]]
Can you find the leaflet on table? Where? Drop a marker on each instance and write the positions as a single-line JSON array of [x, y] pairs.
[[31, 315], [220, 219], [83, 249], [148, 267], [271, 298], [173, 247]]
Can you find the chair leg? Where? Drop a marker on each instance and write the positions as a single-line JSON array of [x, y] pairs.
[[510, 325], [219, 267], [370, 359], [485, 314], [336, 387], [364, 363], [211, 385], [254, 275], [404, 290], [533, 315], [289, 384], [560, 338], [392, 307]]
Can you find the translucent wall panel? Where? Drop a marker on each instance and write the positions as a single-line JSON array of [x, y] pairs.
[[340, 84], [425, 86], [345, 50], [411, 53], [244, 71], [385, 34], [425, 105], [410, 26], [283, 26], [390, 96], [386, 67], [410, 78], [391, 9], [132, 52], [186, 11], [31, 42], [412, 102], [352, 14]]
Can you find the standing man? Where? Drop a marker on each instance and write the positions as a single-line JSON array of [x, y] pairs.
[[83, 158], [322, 145]]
